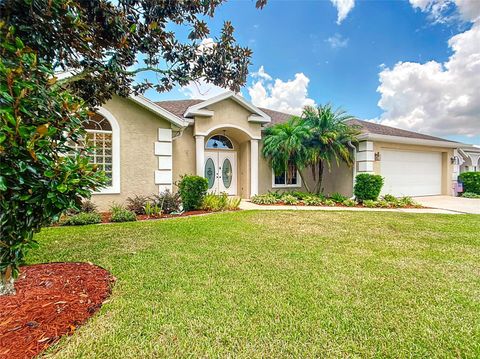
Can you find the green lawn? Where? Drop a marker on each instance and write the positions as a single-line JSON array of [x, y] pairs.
[[280, 284]]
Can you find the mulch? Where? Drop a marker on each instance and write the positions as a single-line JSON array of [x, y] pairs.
[[52, 300]]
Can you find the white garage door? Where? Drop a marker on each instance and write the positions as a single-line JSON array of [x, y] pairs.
[[411, 173]]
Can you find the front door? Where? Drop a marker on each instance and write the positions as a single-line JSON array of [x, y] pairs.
[[221, 172]]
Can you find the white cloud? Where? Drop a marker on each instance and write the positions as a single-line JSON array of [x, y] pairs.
[[433, 97], [261, 74], [287, 96], [446, 10], [343, 8], [337, 41]]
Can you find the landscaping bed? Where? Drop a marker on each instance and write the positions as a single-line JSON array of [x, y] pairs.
[[51, 300], [297, 198]]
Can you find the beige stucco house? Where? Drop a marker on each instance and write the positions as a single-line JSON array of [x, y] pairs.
[[145, 147]]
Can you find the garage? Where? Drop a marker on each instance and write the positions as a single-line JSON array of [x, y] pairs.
[[411, 173]]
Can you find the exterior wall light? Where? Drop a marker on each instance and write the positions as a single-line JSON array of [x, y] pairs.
[[454, 160], [378, 157]]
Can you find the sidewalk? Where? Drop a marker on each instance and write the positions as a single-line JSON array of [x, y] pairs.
[[247, 205]]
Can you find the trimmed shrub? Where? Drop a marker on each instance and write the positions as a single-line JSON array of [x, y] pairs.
[[121, 214], [337, 197], [367, 186], [267, 198], [81, 219], [471, 181], [289, 199], [470, 195], [167, 201], [137, 204], [192, 189], [233, 203]]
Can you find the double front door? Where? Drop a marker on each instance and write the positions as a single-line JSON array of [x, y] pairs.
[[221, 171]]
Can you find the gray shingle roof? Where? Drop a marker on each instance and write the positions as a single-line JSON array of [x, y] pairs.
[[178, 107]]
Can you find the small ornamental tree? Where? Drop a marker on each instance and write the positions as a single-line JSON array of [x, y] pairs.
[[99, 43], [40, 174]]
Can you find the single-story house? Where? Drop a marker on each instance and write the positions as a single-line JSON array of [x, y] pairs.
[[145, 147]]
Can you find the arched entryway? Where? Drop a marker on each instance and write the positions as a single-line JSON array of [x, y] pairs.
[[221, 165], [227, 156]]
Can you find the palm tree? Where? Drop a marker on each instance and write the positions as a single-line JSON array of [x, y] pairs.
[[330, 138], [285, 143]]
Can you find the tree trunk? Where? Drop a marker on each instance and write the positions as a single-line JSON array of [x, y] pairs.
[[319, 188], [7, 286], [307, 187]]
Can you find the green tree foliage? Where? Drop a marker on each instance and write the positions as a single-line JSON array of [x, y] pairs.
[[314, 140], [99, 41], [40, 174]]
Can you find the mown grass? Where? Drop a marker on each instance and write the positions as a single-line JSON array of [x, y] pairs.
[[280, 284]]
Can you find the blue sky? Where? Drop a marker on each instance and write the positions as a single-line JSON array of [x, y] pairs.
[[307, 57]]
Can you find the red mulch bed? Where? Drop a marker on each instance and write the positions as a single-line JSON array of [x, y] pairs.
[[52, 300]]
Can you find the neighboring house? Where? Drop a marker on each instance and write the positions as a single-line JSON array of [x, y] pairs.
[[470, 159], [146, 147]]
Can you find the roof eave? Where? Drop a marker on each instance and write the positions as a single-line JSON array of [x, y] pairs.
[[151, 106], [410, 140]]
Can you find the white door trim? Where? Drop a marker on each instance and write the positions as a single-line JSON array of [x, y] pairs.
[[218, 157]]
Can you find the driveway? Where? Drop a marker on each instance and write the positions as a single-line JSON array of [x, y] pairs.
[[456, 204]]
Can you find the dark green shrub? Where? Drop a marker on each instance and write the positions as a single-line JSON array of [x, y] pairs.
[[301, 195], [337, 197], [137, 204], [167, 201], [82, 218], [192, 189], [367, 186], [471, 181], [121, 214]]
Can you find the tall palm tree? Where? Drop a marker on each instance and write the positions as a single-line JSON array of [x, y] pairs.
[[330, 137], [285, 143]]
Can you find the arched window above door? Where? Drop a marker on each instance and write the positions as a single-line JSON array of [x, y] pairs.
[[219, 142]]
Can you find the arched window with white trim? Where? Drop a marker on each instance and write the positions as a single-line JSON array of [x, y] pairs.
[[219, 142], [103, 136]]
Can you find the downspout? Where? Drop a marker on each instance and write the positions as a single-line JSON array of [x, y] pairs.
[[350, 144]]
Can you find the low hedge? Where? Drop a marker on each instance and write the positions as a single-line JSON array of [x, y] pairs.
[[82, 218], [471, 181]]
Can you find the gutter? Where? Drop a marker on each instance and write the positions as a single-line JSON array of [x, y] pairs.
[[350, 144], [411, 141]]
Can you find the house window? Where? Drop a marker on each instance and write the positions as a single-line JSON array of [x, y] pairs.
[[289, 178], [102, 135], [99, 137], [219, 142]]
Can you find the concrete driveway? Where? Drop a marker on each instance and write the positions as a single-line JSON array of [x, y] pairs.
[[456, 204]]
